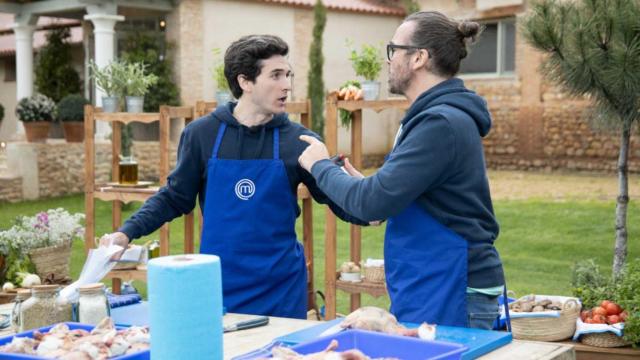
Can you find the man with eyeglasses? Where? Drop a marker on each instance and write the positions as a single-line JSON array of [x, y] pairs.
[[440, 261]]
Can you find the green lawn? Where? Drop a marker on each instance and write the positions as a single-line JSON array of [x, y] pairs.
[[539, 240]]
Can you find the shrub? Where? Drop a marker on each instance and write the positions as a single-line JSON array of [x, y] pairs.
[[71, 108], [55, 76], [36, 108], [315, 87], [150, 50]]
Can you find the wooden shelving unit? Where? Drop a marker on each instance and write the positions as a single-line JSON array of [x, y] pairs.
[[119, 195], [331, 140], [303, 109]]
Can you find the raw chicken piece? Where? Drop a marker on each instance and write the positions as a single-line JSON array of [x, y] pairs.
[[376, 319], [20, 345], [283, 353]]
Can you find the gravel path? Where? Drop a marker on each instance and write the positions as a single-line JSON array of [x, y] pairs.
[[514, 185]]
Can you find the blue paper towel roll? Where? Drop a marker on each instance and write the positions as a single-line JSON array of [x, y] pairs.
[[185, 307]]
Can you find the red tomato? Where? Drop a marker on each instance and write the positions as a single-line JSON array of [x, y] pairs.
[[613, 319], [604, 303], [613, 309], [598, 310], [623, 316], [589, 321], [599, 319], [584, 314]]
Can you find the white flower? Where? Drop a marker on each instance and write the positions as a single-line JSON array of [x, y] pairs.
[[50, 228]]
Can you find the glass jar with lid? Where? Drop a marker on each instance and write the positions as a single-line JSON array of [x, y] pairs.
[[92, 305], [21, 296], [43, 308]]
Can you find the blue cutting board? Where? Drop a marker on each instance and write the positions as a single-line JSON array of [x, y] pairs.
[[478, 341]]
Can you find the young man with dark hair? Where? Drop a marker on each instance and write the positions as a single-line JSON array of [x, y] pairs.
[[440, 260], [242, 162]]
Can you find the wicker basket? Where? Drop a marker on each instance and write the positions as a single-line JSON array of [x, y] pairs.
[[548, 328], [52, 260], [374, 274], [605, 339]]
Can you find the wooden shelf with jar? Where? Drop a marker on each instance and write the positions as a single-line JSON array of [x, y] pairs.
[[122, 195]]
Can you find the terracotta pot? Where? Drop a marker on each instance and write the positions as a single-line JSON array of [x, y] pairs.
[[37, 131], [73, 131]]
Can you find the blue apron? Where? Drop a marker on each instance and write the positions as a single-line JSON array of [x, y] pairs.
[[249, 222], [426, 269]]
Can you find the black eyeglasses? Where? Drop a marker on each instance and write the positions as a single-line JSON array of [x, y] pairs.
[[391, 48]]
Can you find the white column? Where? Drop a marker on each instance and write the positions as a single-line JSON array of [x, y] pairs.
[[104, 35], [24, 65]]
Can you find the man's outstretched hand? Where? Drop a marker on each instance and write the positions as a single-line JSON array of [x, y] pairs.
[[116, 238], [315, 152]]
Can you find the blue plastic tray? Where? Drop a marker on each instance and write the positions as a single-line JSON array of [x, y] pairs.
[[375, 344], [478, 342], [143, 355]]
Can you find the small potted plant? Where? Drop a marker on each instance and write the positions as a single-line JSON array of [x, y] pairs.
[[71, 114], [137, 85], [110, 80], [368, 64], [37, 113], [223, 93]]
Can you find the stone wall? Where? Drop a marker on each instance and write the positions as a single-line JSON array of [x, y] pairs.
[[10, 188], [556, 135], [56, 168], [61, 167], [146, 154]]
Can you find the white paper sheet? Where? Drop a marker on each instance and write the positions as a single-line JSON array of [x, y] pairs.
[[96, 267]]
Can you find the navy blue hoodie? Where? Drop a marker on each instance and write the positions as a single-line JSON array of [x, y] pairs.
[[438, 162], [189, 178]]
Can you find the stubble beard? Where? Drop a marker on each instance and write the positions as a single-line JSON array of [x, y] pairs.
[[399, 83]]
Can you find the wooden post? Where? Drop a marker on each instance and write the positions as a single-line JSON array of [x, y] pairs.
[[307, 225], [116, 141], [355, 233], [331, 141], [89, 176], [188, 233], [165, 121], [189, 222]]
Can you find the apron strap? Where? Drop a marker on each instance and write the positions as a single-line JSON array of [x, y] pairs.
[[276, 143], [506, 308], [216, 147]]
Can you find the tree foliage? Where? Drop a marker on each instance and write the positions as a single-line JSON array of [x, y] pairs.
[[593, 50], [55, 76], [143, 48], [315, 86]]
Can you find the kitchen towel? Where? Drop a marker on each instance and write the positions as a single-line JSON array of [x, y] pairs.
[[185, 307]]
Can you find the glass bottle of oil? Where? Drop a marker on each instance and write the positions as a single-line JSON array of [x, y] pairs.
[[128, 168]]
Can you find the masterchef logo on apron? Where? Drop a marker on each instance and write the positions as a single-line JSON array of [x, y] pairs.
[[245, 189]]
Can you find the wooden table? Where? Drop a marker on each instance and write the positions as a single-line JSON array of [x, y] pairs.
[[586, 352], [240, 342]]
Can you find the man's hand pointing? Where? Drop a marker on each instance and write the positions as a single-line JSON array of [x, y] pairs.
[[316, 151]]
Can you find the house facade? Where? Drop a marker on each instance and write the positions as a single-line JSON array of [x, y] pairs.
[[535, 124]]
